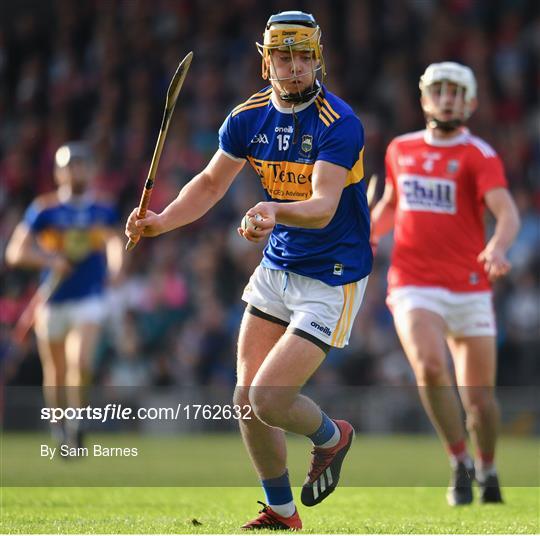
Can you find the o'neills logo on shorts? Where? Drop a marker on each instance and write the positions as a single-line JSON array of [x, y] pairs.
[[324, 329], [427, 194]]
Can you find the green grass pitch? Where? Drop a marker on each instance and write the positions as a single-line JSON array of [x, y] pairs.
[[379, 492]]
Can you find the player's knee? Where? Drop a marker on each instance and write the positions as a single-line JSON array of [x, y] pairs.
[[241, 396], [474, 416], [59, 376], [52, 379], [266, 405], [73, 377], [478, 403], [429, 370]]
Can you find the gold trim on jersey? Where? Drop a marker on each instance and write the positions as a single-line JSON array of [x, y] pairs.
[[356, 174], [291, 181], [329, 106], [284, 180], [51, 240], [256, 96], [327, 114], [76, 244], [255, 101]]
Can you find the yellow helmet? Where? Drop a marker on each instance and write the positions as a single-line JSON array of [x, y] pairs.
[[292, 31]]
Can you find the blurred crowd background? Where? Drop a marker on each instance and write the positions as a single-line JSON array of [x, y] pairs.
[[98, 71]]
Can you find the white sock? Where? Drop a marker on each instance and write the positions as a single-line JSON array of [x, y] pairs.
[[284, 510], [334, 440], [483, 471], [466, 460]]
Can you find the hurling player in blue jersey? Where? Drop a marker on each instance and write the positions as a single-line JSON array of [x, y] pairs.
[[306, 146], [71, 234]]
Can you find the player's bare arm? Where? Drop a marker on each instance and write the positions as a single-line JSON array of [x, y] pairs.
[[493, 256], [382, 217], [317, 211], [313, 213], [194, 200], [22, 251]]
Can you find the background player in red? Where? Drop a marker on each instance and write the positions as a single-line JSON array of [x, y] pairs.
[[438, 182]]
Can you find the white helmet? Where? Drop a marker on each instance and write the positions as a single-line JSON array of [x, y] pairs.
[[449, 71], [453, 72]]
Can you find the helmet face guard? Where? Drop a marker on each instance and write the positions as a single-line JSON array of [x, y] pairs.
[[436, 86], [292, 31]]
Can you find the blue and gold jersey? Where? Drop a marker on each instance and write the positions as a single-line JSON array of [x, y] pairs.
[[78, 231], [264, 134]]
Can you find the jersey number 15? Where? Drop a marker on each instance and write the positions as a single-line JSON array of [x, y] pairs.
[[283, 141]]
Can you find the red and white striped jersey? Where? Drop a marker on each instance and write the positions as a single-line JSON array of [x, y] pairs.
[[439, 228]]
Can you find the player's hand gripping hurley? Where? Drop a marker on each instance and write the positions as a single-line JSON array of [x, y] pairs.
[[172, 95]]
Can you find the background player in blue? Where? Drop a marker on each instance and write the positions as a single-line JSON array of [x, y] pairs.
[[70, 233], [306, 146]]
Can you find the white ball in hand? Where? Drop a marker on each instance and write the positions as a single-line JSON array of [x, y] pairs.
[[248, 222]]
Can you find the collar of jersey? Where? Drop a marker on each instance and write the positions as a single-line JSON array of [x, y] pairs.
[[456, 140], [297, 109], [78, 200]]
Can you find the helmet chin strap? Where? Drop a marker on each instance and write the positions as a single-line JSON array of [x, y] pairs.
[[301, 97], [445, 126]]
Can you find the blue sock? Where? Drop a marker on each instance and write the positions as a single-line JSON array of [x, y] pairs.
[[325, 432], [278, 490]]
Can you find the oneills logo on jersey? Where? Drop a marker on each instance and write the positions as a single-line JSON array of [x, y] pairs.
[[427, 194], [287, 130]]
